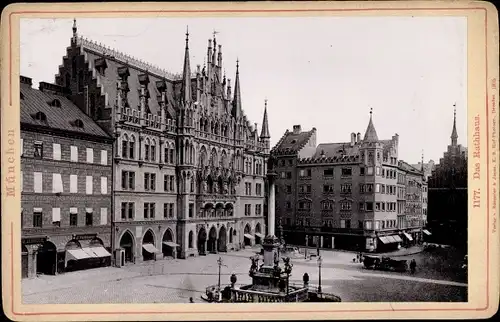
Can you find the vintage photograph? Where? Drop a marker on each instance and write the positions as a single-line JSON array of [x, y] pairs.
[[250, 159]]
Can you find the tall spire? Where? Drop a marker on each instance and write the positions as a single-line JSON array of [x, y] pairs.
[[454, 135], [237, 94], [422, 161], [370, 134], [186, 74], [264, 134], [74, 28]]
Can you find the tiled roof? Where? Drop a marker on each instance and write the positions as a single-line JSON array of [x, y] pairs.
[[292, 143], [407, 167], [61, 118], [336, 150]]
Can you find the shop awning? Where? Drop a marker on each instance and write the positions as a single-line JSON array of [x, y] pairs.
[[428, 233], [77, 253], [100, 251], [384, 240], [408, 236], [89, 252], [171, 244], [390, 239], [259, 235], [397, 239], [249, 236], [150, 248]]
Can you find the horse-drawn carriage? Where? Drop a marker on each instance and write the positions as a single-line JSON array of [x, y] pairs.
[[385, 263]]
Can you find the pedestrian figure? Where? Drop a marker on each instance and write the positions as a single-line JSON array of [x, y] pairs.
[[413, 266], [191, 300]]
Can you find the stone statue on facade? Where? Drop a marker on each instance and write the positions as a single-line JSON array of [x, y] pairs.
[[225, 188]]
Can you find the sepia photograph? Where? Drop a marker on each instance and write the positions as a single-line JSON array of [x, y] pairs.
[[248, 159], [187, 160]]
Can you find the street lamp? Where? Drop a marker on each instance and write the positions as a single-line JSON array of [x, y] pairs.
[[219, 262], [320, 261]]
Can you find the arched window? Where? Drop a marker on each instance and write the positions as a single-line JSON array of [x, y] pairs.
[[55, 103], [190, 240], [40, 116], [124, 146], [79, 123], [172, 154], [191, 156], [131, 147], [146, 149], [153, 150]]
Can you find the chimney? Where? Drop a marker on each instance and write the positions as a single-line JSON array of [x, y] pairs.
[[353, 139], [296, 129], [26, 80], [359, 138], [53, 89]]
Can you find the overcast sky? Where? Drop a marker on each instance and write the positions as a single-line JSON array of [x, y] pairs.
[[318, 72]]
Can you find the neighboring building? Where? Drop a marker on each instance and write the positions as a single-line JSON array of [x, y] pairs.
[[428, 168], [447, 217], [341, 195], [66, 173], [189, 166]]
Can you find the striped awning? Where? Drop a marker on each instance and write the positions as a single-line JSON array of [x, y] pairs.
[[76, 254], [171, 244], [397, 239], [249, 236], [100, 251], [384, 240], [390, 239], [259, 235], [150, 248], [408, 236], [425, 231]]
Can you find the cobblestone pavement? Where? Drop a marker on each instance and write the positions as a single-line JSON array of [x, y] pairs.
[[174, 281]]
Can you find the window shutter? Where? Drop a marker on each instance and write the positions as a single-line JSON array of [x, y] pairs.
[[89, 186], [104, 157], [38, 178], [56, 151], [90, 155], [73, 183], [104, 185], [56, 214], [104, 216], [74, 153]]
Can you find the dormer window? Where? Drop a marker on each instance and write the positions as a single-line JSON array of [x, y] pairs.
[[55, 102], [78, 123], [40, 116]]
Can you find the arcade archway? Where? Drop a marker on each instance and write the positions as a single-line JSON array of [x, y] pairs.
[[212, 240], [46, 259], [127, 244], [168, 244], [202, 238], [148, 246], [258, 235], [222, 247], [247, 235]]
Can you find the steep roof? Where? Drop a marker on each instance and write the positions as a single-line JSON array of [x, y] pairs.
[[292, 143], [336, 149], [370, 134], [60, 116]]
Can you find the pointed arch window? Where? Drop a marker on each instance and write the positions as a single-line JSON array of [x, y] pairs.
[[146, 149], [153, 150], [304, 204], [131, 147], [125, 146]]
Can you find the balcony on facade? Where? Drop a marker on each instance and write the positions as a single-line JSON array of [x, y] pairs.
[[153, 122]]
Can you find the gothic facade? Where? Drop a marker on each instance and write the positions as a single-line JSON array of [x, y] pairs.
[[189, 168]]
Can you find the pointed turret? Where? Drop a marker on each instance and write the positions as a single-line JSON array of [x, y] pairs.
[[265, 126], [186, 75], [237, 94], [370, 134], [454, 135], [422, 161], [74, 28]]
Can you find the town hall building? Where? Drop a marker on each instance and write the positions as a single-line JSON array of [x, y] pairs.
[[188, 166]]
